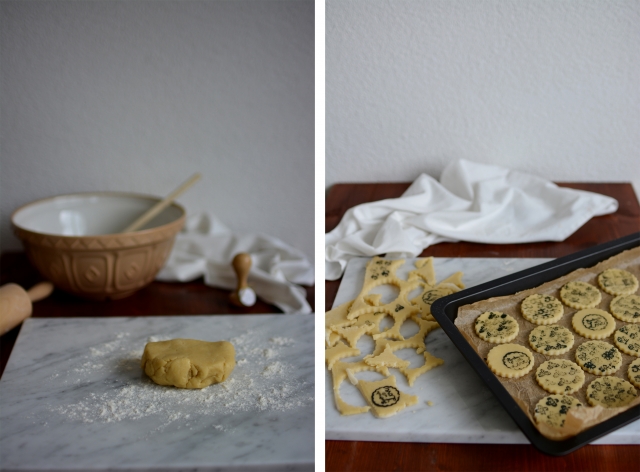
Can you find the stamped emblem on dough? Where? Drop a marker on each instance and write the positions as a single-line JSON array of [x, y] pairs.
[[541, 309], [553, 409], [551, 340], [610, 392], [593, 323], [618, 282], [598, 357], [626, 308], [627, 339], [510, 360], [384, 397], [580, 295], [496, 327], [560, 376], [634, 373]]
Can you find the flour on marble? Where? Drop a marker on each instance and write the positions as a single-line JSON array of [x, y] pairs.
[[261, 381]]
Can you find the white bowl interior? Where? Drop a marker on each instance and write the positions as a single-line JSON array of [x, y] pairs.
[[90, 214]]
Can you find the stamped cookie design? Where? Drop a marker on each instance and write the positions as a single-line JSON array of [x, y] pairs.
[[627, 339], [553, 409], [551, 340], [580, 295], [634, 373], [496, 327], [541, 309], [384, 397], [610, 392], [626, 308], [560, 376], [510, 360], [593, 323], [618, 282], [598, 357]]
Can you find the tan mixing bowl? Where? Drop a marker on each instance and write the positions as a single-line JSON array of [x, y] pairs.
[[74, 241]]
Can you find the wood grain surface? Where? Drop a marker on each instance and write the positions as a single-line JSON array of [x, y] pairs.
[[380, 456]]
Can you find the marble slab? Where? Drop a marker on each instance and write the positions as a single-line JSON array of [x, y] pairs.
[[464, 410], [73, 397]]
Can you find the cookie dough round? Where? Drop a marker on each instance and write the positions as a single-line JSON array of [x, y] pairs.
[[626, 308], [551, 340], [593, 323], [188, 363], [627, 339], [553, 409], [496, 327], [598, 357], [510, 360], [560, 376], [541, 309], [580, 295], [618, 282], [610, 392], [634, 373]]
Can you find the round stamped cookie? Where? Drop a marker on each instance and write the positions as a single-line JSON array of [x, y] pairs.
[[610, 392], [551, 340], [627, 339], [553, 409], [634, 373], [626, 308], [510, 360], [560, 376], [580, 295], [618, 282], [496, 327], [598, 357], [541, 309], [593, 323]]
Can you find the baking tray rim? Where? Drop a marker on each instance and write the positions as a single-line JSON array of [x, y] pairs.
[[445, 310]]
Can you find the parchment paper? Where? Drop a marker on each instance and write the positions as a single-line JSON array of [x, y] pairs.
[[526, 390]]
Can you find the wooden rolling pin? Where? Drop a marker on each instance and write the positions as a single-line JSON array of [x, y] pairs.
[[16, 303], [243, 295]]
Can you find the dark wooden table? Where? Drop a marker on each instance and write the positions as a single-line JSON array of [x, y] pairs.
[[379, 456], [157, 299]]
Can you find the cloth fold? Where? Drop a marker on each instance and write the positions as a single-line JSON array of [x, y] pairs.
[[471, 202], [206, 247]]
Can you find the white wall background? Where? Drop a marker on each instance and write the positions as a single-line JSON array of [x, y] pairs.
[[544, 86], [137, 96]]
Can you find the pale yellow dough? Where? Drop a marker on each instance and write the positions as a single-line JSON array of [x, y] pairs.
[[610, 392], [580, 295], [598, 357], [551, 340], [560, 376], [627, 339], [618, 282], [384, 397], [634, 373], [553, 409], [593, 323], [626, 308], [496, 327], [188, 363], [510, 360], [541, 309]]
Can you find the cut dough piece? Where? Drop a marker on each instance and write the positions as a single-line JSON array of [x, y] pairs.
[[496, 327], [598, 357], [610, 392], [634, 373], [560, 376], [386, 359], [336, 318], [384, 397], [618, 282], [188, 363], [580, 295], [338, 375], [541, 309], [353, 333], [430, 362], [424, 270], [510, 360], [593, 323], [430, 295], [339, 351], [626, 308], [551, 340], [627, 339], [553, 409]]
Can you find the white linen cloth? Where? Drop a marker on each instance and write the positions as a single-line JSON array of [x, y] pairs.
[[472, 202], [206, 247]]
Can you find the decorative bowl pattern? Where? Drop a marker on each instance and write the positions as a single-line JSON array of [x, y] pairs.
[[96, 266]]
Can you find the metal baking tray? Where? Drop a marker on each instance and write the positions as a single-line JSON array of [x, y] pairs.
[[445, 311]]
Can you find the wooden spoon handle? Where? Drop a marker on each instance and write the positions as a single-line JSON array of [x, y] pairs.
[[40, 291]]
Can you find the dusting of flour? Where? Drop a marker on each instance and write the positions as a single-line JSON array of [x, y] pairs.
[[262, 380]]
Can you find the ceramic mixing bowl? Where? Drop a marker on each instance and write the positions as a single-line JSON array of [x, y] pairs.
[[75, 241]]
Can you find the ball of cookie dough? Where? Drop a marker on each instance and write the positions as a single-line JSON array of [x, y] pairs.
[[188, 363]]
